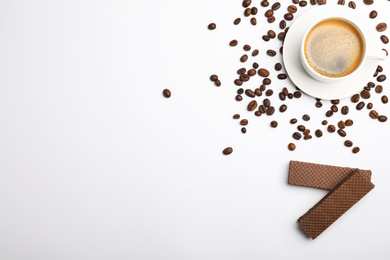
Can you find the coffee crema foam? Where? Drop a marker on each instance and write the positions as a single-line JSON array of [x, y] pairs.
[[334, 48]]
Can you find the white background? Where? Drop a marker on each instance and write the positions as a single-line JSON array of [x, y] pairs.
[[96, 164]]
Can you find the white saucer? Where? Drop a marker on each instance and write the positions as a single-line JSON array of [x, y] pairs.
[[297, 73]]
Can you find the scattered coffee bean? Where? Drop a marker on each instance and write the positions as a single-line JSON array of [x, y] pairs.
[[257, 113], [275, 6], [282, 24], [250, 93], [264, 3], [236, 116], [255, 64], [248, 12], [258, 92], [282, 96], [253, 20], [382, 118], [313, 2], [244, 122], [263, 72], [329, 113], [297, 136], [371, 84], [271, 34], [274, 124], [244, 58], [293, 121], [368, 2], [271, 53], [237, 82], [387, 53], [243, 130], [341, 124], [290, 95], [331, 128], [373, 114], [381, 78], [376, 74], [324, 122], [348, 143], [251, 72], [212, 26], [356, 149], [227, 151], [318, 104], [355, 98], [335, 101], [246, 3], [291, 146], [342, 133], [271, 19], [213, 77], [370, 106], [247, 47], [307, 137], [254, 10], [241, 71], [266, 102], [269, 92], [237, 21], [269, 13], [341, 2], [385, 99], [254, 54], [349, 122], [238, 98], [345, 110], [252, 105], [352, 4], [266, 38], [233, 43], [321, 2], [167, 93], [217, 83], [360, 105], [288, 16], [379, 68], [381, 27], [262, 87], [270, 111], [281, 50], [367, 88], [278, 66], [301, 128], [365, 94], [292, 9], [244, 77], [266, 81], [302, 3], [306, 132], [285, 91], [334, 108], [318, 133], [282, 76], [306, 117], [283, 108], [262, 109], [297, 94], [295, 1], [384, 39], [373, 14]]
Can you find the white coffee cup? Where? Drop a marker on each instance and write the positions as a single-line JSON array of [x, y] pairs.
[[369, 54]]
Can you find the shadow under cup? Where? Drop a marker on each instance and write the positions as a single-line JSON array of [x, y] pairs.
[[333, 48]]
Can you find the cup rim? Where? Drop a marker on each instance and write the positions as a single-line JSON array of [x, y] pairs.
[[323, 76]]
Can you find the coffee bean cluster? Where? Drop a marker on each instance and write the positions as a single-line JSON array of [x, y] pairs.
[[261, 100]]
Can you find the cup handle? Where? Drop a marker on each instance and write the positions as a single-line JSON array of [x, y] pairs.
[[376, 54]]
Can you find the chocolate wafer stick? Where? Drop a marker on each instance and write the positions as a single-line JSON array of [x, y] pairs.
[[346, 194], [319, 175]]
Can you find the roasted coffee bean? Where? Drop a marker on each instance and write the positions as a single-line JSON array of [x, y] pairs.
[[243, 130], [281, 36], [324, 122], [244, 122], [329, 113], [253, 20], [376, 74], [265, 38], [237, 82], [313, 2], [262, 87], [233, 43], [283, 108], [271, 53], [227, 151], [367, 88], [292, 9], [255, 65], [334, 108], [297, 94], [373, 14], [266, 102], [355, 98], [348, 143], [302, 3], [262, 109], [290, 95], [373, 114], [244, 58], [270, 111], [271, 19], [266, 81], [217, 83], [306, 117], [251, 72], [384, 39], [258, 92], [271, 34], [252, 105], [306, 132], [356, 149], [275, 6], [274, 124], [381, 27], [335, 101], [295, 1], [381, 78], [212, 26], [254, 10], [247, 47], [269, 13], [318, 104], [321, 2], [213, 77], [387, 53], [318, 133], [167, 93], [352, 4], [331, 128], [264, 3], [349, 122], [371, 84], [382, 118], [378, 89], [379, 68], [282, 76], [291, 146], [365, 94], [236, 116], [281, 50], [241, 71], [278, 66], [341, 124], [246, 3], [269, 92], [263, 72], [301, 128], [370, 106], [342, 133], [384, 99], [307, 137], [345, 110], [368, 2], [257, 113], [285, 91], [297, 136], [248, 12], [286, 30], [293, 121], [360, 105], [288, 16], [282, 24], [244, 77], [250, 93], [282, 96], [238, 98], [254, 54], [237, 21]]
